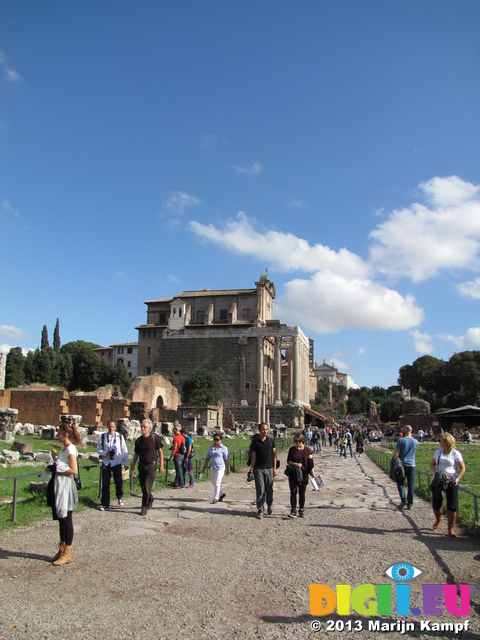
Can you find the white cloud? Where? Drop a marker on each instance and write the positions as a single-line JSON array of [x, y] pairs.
[[351, 384], [470, 339], [5, 348], [8, 209], [422, 341], [361, 351], [10, 74], [470, 289], [249, 170], [297, 204], [285, 251], [13, 333], [178, 201], [211, 141], [419, 241], [330, 302]]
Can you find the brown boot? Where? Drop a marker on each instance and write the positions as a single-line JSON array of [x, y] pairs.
[[66, 556], [59, 553], [439, 518], [451, 519]]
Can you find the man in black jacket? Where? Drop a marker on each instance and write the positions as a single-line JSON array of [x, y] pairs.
[[264, 468]]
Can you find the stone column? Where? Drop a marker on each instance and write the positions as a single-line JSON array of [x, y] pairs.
[[296, 371], [278, 371], [260, 401]]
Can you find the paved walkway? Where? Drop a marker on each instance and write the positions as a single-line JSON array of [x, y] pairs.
[[191, 569]]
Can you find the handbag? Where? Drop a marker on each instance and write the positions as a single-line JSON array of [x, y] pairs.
[[77, 479], [288, 471]]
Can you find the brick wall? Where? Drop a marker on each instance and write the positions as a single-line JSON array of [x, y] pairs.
[[39, 406], [88, 407], [114, 409], [5, 398]]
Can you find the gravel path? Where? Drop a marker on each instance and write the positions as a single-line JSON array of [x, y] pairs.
[[195, 570]]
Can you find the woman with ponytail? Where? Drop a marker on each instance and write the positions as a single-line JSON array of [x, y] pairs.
[[65, 497]]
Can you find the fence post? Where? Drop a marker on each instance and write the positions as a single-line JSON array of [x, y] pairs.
[[15, 485]]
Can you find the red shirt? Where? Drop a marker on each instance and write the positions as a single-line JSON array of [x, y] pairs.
[[177, 441]]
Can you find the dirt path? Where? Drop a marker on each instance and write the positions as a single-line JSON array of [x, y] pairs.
[[191, 569]]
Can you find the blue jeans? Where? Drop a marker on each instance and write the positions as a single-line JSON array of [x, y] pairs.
[[410, 478], [349, 445], [178, 462]]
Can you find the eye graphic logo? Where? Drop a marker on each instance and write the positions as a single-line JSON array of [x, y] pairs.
[[402, 572]]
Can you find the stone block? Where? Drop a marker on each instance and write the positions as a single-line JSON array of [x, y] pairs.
[[38, 487], [22, 447], [48, 433]]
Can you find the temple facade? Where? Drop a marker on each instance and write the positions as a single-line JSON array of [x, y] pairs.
[[260, 361]]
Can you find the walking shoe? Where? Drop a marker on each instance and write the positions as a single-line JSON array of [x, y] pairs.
[[292, 514], [402, 504], [120, 502], [102, 508], [222, 497], [259, 515], [410, 507], [144, 511], [214, 501], [269, 511], [190, 486], [150, 502], [301, 513]]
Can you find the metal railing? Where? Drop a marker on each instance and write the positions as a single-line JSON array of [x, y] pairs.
[[37, 475], [382, 459]]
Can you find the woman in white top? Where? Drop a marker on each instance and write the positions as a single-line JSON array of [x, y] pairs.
[[447, 460], [218, 457], [65, 495]]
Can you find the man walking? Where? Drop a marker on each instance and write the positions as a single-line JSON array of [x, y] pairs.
[[405, 449], [146, 448], [264, 468], [113, 451], [178, 456]]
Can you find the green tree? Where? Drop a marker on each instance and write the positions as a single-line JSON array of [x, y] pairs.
[[391, 408], [56, 337], [359, 401], [14, 368], [44, 362], [29, 368], [85, 371], [426, 378], [202, 388], [121, 377], [44, 341], [463, 379]]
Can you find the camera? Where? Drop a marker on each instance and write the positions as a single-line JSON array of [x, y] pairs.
[[111, 453]]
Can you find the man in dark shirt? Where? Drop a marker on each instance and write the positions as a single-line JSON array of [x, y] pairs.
[[264, 468], [146, 447]]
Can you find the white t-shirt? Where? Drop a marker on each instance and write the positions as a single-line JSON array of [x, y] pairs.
[[448, 463]]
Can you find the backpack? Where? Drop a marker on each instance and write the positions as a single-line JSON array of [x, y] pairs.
[[182, 449]]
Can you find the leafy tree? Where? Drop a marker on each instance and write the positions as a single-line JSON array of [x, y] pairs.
[[29, 372], [44, 341], [14, 368], [121, 377], [56, 337], [85, 365], [44, 362], [391, 408], [202, 388], [323, 392], [359, 401], [426, 379], [463, 376]]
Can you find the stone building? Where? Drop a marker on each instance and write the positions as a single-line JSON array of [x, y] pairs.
[[234, 333], [125, 352]]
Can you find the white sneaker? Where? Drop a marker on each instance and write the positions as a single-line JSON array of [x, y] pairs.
[[120, 502]]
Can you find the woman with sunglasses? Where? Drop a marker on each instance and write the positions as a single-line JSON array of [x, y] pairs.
[[299, 466], [217, 455]]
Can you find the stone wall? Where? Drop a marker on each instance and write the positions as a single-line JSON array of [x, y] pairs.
[[419, 421], [115, 409], [39, 406], [233, 358], [289, 415], [5, 398], [155, 392], [87, 406]]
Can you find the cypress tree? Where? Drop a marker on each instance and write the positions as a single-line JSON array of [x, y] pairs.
[[56, 337], [44, 342]]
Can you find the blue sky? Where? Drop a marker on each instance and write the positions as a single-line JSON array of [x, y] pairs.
[[152, 147]]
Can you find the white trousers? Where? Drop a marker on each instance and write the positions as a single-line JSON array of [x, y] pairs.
[[216, 476]]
